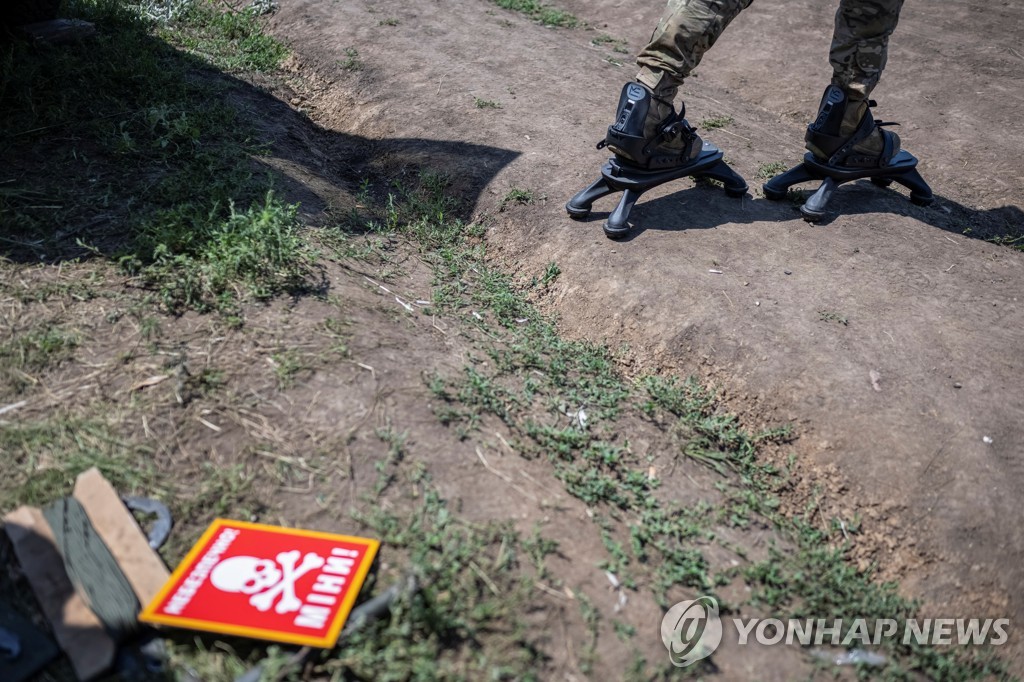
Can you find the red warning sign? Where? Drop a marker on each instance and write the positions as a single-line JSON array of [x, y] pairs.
[[282, 584]]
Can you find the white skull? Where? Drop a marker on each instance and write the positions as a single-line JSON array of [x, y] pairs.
[[245, 574]]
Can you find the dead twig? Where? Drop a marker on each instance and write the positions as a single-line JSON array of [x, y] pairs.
[[12, 407], [547, 590], [483, 576], [504, 477]]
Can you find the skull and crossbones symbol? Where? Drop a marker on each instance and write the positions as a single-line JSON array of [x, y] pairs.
[[266, 580]]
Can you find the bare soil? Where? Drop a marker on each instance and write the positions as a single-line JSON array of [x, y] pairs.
[[888, 336], [909, 412]]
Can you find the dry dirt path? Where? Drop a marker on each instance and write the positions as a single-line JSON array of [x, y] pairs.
[[896, 406]]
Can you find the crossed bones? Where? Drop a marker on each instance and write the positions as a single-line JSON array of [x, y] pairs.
[[285, 589]]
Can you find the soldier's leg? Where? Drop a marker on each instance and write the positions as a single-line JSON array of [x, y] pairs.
[[687, 29], [860, 43], [647, 130], [844, 125]]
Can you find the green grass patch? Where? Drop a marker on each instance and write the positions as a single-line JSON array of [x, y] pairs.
[[232, 40], [33, 351], [42, 459], [616, 44], [538, 11], [38, 349], [351, 62], [565, 401], [767, 171], [131, 150], [196, 262], [517, 197], [716, 122], [475, 584], [839, 590], [833, 316]]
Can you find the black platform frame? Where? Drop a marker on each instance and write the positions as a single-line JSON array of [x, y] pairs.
[[619, 176], [901, 169]]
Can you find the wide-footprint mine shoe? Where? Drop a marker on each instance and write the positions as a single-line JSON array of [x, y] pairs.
[[648, 133], [844, 144], [845, 134]]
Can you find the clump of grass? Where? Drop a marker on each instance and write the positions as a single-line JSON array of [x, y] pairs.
[[841, 591], [486, 103], [832, 316], [716, 122], [42, 459], [472, 584], [159, 157], [34, 350], [617, 44], [516, 196], [1014, 241], [540, 12], [767, 171], [194, 262], [39, 348], [231, 40], [351, 62], [551, 273]]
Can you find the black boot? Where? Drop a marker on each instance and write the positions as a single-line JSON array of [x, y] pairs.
[[845, 134], [648, 133]]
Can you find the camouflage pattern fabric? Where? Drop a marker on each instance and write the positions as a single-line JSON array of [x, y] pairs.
[[860, 44], [689, 28]]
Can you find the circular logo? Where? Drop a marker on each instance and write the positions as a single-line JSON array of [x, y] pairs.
[[635, 92], [691, 631]]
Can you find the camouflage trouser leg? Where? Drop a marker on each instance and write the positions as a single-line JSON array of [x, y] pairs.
[[689, 27], [686, 31], [860, 43]]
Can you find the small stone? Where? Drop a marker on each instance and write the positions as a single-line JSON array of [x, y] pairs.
[[957, 384], [788, 272]]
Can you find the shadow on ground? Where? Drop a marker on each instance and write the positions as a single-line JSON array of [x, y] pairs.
[[93, 155], [701, 207]]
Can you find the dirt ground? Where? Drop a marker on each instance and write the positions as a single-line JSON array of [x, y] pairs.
[[909, 412]]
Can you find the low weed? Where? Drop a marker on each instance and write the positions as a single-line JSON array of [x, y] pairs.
[[42, 459], [351, 62], [605, 40], [232, 40], [516, 197], [538, 11], [833, 316], [473, 583], [32, 351], [195, 262], [716, 122], [486, 103], [767, 171], [841, 591], [157, 161], [563, 401]]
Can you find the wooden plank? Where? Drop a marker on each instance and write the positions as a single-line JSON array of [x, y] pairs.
[[77, 629], [117, 528]]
